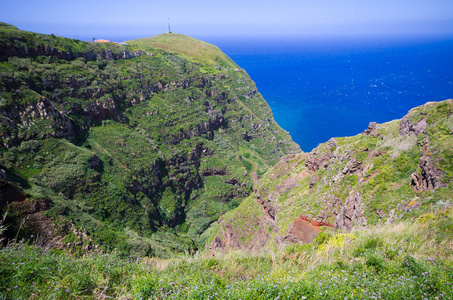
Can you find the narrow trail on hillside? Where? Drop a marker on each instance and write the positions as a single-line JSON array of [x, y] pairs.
[[255, 179], [102, 149], [254, 175]]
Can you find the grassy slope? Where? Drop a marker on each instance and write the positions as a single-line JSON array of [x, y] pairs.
[[195, 50], [383, 183], [381, 263]]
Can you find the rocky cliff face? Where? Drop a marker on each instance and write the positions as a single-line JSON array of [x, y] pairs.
[[134, 140], [16, 43], [15, 119], [18, 48], [388, 172]]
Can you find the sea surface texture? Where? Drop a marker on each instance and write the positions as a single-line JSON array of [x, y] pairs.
[[318, 89]]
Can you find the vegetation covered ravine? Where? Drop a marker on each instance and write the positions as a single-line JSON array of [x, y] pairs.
[[138, 147], [155, 170]]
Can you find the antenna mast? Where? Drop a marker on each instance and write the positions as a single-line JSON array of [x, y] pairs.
[[169, 31]]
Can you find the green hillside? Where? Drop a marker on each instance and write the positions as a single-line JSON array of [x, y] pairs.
[[190, 48], [155, 170], [400, 170], [137, 147], [261, 250]]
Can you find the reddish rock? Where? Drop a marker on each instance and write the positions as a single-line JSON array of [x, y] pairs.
[[305, 229], [315, 223]]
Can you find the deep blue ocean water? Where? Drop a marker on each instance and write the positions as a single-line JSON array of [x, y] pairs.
[[318, 89], [323, 88]]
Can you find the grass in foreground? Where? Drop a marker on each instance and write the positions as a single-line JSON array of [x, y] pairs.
[[378, 263]]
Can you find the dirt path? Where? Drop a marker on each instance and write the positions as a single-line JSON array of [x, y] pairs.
[[255, 179], [254, 175]]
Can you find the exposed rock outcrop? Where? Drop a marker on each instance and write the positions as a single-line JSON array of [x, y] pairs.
[[320, 157], [352, 167], [355, 182], [406, 127], [315, 162], [16, 202], [372, 130], [351, 213], [214, 171], [303, 230], [250, 93], [20, 47], [14, 117], [214, 123], [306, 229], [427, 177], [267, 206], [102, 109], [217, 245], [315, 223]]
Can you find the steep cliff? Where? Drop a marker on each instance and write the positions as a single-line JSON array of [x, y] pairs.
[[141, 146], [391, 171]]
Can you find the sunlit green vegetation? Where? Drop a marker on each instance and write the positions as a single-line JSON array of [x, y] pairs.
[[380, 263], [124, 144]]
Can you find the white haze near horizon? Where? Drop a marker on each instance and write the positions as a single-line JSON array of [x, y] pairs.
[[235, 18]]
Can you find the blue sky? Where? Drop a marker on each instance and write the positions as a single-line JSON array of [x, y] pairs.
[[140, 18]]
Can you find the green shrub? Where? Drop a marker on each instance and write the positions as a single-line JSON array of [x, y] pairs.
[[374, 262], [390, 254], [322, 238], [369, 245]]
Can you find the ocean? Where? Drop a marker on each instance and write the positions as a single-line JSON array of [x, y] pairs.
[[318, 89], [323, 88]]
